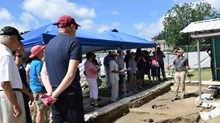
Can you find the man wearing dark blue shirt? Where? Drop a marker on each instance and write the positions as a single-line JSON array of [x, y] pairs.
[[60, 73]]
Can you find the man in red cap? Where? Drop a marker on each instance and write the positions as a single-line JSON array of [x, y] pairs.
[[159, 57], [62, 57]]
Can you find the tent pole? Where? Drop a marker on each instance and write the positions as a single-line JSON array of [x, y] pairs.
[[199, 70], [124, 81]]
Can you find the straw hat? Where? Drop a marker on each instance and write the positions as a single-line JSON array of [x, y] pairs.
[[181, 51], [113, 53]]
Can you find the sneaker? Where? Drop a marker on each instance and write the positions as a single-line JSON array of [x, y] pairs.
[[96, 106], [139, 87], [174, 99]]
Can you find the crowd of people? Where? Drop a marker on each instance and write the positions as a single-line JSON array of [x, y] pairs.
[[134, 65], [51, 79]]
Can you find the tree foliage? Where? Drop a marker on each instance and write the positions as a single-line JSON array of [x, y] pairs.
[[179, 17]]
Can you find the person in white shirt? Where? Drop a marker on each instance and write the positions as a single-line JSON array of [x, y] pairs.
[[114, 76], [12, 103]]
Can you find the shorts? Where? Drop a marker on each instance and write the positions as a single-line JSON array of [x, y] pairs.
[[39, 104]]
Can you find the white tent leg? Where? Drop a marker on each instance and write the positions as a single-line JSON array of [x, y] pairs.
[[199, 70]]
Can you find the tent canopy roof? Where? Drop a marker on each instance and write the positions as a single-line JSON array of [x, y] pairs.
[[90, 41]]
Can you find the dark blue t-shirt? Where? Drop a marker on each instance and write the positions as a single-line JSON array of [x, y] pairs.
[[58, 53]]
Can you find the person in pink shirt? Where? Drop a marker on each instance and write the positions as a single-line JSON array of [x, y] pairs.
[[155, 67], [91, 74]]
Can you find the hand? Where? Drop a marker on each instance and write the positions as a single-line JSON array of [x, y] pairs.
[[17, 111], [19, 51], [187, 67], [31, 98], [47, 99]]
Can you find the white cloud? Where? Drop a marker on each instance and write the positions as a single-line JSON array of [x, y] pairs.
[[5, 15], [7, 19], [22, 23], [27, 19], [87, 24], [52, 9], [115, 13], [103, 28], [149, 30]]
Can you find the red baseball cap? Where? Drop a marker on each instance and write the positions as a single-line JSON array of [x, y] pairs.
[[65, 21], [35, 50]]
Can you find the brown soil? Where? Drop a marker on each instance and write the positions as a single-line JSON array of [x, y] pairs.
[[163, 110]]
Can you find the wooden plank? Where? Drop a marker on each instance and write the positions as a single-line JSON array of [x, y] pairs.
[[210, 82]]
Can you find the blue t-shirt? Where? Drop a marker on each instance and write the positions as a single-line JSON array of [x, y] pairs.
[[58, 53], [35, 69]]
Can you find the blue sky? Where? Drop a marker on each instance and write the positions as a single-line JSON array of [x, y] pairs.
[[142, 18]]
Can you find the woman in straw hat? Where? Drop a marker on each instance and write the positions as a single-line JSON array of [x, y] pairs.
[[114, 76]]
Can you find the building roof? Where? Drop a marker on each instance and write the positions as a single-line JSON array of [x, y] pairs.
[[203, 26], [161, 41]]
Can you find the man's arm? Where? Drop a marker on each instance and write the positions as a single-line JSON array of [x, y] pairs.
[[187, 64], [67, 80], [45, 79], [6, 85]]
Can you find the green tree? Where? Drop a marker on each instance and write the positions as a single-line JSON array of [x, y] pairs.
[[178, 17], [160, 36]]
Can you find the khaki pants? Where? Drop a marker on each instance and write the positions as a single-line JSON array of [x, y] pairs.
[[6, 110], [132, 82], [180, 82]]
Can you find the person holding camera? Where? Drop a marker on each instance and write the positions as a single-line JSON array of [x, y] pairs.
[[159, 57]]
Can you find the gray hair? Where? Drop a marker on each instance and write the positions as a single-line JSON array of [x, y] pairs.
[[4, 39]]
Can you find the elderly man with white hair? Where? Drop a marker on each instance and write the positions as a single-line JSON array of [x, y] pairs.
[[12, 104]]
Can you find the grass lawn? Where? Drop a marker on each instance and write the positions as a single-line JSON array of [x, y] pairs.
[[205, 74]]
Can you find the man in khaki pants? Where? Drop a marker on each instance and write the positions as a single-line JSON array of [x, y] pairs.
[[181, 65], [11, 98]]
